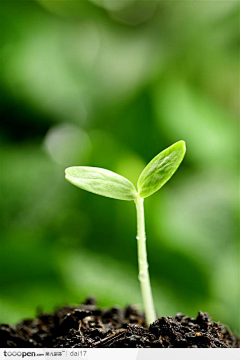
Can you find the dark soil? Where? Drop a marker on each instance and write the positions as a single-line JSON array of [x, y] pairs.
[[88, 326]]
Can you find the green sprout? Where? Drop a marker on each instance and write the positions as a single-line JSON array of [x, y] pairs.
[[153, 177]]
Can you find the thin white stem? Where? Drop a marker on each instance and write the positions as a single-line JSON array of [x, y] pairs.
[[143, 264]]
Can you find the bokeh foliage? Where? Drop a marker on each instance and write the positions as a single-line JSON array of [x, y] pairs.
[[111, 84]]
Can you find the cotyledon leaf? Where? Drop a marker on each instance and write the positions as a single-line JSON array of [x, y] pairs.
[[160, 169], [101, 181]]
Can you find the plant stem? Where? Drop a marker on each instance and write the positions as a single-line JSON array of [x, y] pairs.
[[143, 264]]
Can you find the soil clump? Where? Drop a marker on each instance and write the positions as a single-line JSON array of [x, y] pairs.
[[86, 326]]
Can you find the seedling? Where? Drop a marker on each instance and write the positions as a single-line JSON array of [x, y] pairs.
[[153, 177]]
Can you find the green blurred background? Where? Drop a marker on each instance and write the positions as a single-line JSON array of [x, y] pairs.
[[111, 84]]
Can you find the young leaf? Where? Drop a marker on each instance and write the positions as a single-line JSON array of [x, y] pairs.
[[160, 169], [100, 181]]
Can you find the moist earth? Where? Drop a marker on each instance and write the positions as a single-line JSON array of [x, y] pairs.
[[86, 325]]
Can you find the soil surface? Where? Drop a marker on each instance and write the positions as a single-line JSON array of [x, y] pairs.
[[88, 326]]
